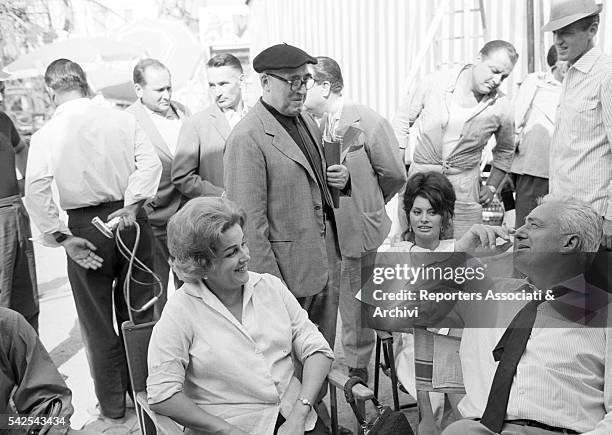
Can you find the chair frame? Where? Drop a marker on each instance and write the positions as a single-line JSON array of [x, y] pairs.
[[424, 363], [337, 380], [384, 344], [150, 422]]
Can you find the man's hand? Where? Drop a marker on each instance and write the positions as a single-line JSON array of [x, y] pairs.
[[483, 238], [606, 241], [337, 176], [81, 252], [486, 196], [127, 215]]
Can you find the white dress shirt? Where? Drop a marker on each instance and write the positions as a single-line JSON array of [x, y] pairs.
[[95, 154], [168, 128], [234, 116], [535, 105], [240, 372]]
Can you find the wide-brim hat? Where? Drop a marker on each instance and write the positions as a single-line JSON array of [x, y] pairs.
[[565, 12]]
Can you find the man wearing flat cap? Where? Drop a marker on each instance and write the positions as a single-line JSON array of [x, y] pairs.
[[581, 148], [276, 170]]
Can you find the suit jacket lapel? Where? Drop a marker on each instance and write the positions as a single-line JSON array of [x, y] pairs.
[[349, 117], [145, 121], [220, 121], [281, 139]]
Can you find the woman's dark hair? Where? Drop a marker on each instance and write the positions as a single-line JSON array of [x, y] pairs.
[[438, 190]]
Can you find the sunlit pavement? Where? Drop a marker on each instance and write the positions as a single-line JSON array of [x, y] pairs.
[[61, 335]]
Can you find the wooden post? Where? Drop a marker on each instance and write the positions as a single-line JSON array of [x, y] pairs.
[[530, 37]]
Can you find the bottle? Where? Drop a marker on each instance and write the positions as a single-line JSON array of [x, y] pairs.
[[493, 214]]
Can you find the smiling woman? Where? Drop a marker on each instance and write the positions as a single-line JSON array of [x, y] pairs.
[[221, 356]]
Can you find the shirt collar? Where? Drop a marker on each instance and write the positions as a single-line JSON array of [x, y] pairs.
[[548, 78], [232, 111], [201, 291], [71, 105], [587, 61], [171, 111]]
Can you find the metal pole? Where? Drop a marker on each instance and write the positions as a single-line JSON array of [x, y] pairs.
[[530, 37]]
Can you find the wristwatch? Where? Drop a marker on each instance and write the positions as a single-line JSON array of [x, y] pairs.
[[305, 402], [59, 236]]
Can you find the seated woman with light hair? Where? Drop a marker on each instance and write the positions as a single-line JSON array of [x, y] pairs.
[[221, 355]]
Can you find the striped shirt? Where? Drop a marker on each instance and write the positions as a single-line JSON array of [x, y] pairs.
[[563, 378], [581, 148]]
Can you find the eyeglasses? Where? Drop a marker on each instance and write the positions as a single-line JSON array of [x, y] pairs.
[[296, 84]]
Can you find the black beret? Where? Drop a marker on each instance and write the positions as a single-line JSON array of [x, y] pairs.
[[281, 56]]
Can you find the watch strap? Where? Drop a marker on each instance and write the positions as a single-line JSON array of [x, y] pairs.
[[305, 402], [59, 236]]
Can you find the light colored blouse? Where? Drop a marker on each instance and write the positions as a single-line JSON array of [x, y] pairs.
[[240, 372]]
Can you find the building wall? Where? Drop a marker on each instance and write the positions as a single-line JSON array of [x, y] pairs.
[[377, 42]]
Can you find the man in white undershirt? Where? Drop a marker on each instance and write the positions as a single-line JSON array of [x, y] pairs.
[[198, 166], [161, 119]]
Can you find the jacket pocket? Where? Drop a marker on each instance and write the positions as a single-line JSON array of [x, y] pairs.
[[375, 226]]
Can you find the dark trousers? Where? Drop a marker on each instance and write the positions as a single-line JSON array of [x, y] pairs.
[[162, 268], [319, 428], [529, 190], [98, 295], [322, 308], [18, 289]]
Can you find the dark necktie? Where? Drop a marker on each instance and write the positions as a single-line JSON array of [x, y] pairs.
[[508, 352]]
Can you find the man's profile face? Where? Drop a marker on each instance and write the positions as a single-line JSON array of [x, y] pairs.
[[156, 93], [316, 97], [280, 95], [572, 41], [490, 71], [224, 84], [538, 237]]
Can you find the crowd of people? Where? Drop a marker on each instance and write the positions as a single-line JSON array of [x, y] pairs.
[[262, 215]]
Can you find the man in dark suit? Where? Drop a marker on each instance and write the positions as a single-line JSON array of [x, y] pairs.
[[198, 165], [275, 169], [161, 119], [370, 151]]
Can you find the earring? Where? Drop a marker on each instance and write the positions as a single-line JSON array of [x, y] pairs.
[[410, 228]]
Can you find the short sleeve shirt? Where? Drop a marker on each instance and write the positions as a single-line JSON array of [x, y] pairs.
[[9, 140]]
